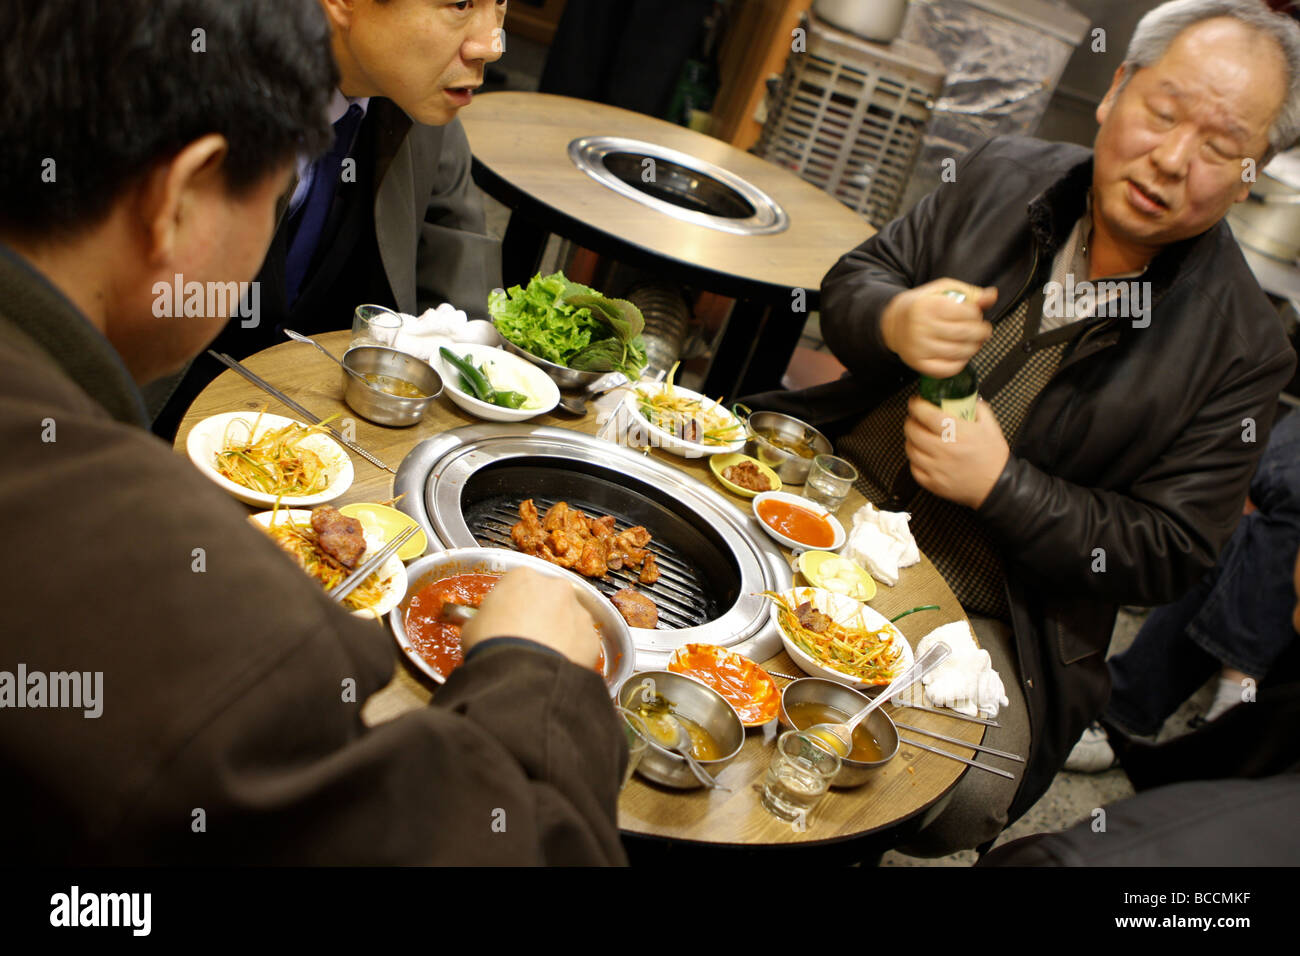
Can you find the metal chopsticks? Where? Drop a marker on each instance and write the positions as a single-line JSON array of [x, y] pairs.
[[349, 584], [960, 743], [969, 763], [947, 713], [284, 399]]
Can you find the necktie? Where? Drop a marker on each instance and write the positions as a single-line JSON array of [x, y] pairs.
[[320, 195]]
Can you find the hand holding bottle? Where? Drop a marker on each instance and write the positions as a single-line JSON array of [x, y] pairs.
[[936, 334]]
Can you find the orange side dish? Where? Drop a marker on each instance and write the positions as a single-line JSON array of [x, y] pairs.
[[799, 524], [741, 682]]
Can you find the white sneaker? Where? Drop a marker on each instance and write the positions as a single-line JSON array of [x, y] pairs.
[[1093, 753]]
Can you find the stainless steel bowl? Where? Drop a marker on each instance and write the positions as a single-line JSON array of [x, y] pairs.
[[699, 703], [379, 406], [789, 467], [620, 655], [853, 773], [567, 378]]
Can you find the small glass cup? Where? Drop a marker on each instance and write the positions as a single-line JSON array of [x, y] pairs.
[[829, 481], [375, 325], [634, 729], [799, 775]]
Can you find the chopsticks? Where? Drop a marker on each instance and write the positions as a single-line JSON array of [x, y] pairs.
[[349, 584], [961, 743], [944, 712], [944, 753], [284, 399]]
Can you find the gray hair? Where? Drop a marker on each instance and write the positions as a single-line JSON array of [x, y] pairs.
[[1158, 29]]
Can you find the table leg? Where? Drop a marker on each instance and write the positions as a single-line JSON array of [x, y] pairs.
[[521, 250], [754, 349]]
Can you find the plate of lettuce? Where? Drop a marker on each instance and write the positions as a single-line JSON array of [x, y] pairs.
[[571, 326]]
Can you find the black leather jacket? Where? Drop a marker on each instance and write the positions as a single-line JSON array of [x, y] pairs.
[[1142, 445]]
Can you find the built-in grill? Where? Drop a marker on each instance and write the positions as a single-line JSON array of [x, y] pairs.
[[465, 487]]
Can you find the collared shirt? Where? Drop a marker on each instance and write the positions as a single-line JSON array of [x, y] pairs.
[[306, 165], [1071, 267]]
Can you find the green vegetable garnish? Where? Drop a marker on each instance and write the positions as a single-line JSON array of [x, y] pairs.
[[572, 325]]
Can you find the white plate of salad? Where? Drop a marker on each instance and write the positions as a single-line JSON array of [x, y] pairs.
[[493, 384]]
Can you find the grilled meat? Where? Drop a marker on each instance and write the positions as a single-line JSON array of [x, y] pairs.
[[590, 546], [746, 475], [338, 535], [812, 618], [637, 609]]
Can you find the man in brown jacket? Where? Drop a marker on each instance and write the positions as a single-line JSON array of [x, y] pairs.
[[171, 688]]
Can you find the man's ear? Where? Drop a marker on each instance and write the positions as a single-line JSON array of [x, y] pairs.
[[339, 12], [172, 192], [1108, 101]]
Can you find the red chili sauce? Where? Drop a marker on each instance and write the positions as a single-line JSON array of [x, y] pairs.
[[799, 524], [439, 642]]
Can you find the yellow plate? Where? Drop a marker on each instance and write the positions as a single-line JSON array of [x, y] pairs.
[[718, 463], [387, 523], [816, 566]]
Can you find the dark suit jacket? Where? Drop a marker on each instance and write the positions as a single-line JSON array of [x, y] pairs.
[[226, 687], [409, 233]]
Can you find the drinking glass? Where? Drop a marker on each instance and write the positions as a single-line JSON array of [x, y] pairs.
[[800, 773], [829, 481], [634, 729], [375, 325]]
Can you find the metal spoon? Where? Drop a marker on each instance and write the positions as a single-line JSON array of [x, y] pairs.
[[839, 737], [299, 337], [683, 747], [577, 404]]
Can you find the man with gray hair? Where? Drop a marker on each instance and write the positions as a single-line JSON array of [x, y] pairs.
[[1111, 450]]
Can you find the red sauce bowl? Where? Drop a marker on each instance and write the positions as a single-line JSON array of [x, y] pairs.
[[434, 648]]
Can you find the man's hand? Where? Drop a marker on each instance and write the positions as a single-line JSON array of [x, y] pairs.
[[538, 607], [951, 457], [931, 332]]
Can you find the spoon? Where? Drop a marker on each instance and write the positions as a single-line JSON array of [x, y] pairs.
[[683, 747], [577, 404], [299, 337], [839, 737]]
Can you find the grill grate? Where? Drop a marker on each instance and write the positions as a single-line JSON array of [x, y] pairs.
[[678, 594]]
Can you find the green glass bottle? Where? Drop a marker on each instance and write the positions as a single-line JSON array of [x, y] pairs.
[[957, 395]]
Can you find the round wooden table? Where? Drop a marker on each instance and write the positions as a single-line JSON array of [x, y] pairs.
[[521, 143], [851, 823]]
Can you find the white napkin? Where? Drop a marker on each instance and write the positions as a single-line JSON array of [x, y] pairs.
[[422, 336], [966, 680], [881, 543]]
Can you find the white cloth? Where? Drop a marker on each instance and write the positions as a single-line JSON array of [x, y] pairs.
[[445, 325], [881, 542], [966, 680]]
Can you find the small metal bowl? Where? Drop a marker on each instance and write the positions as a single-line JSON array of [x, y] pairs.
[[853, 773], [699, 703], [789, 467], [566, 378], [378, 406]]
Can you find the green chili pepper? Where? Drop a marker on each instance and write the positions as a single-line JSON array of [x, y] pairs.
[[479, 386], [509, 399]]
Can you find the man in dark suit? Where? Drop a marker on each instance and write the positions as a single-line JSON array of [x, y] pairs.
[[389, 215], [199, 699]]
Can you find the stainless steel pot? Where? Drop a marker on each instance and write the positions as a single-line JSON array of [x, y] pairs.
[[693, 700], [853, 773], [792, 469], [879, 20], [379, 406], [1269, 220]]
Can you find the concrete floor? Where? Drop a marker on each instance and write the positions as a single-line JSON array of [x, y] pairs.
[[1073, 796]]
